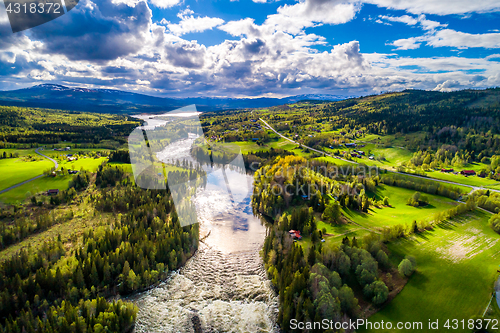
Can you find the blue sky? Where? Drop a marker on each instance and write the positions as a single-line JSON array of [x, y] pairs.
[[259, 48]]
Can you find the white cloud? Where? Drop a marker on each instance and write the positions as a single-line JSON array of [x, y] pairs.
[[448, 85], [189, 23], [409, 20], [462, 40], [439, 7], [242, 27], [276, 57], [412, 21], [194, 24], [308, 13], [165, 3], [407, 43], [450, 38]]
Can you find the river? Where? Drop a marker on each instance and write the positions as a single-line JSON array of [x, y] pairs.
[[223, 287]]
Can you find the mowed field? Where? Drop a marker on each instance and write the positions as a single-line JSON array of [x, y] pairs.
[[392, 156], [88, 163], [15, 170], [276, 143], [471, 180], [42, 184], [32, 169], [398, 212], [457, 266]]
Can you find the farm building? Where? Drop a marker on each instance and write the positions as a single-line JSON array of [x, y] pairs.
[[468, 172], [295, 234]]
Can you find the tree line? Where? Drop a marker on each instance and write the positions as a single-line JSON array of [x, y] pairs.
[[52, 289]]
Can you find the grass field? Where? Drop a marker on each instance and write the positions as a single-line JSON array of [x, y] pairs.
[[19, 152], [471, 180], [249, 146], [43, 184], [399, 212], [32, 169], [89, 164], [15, 170], [393, 156], [457, 267]]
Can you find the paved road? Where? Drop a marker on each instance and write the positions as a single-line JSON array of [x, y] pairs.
[[474, 188], [32, 179]]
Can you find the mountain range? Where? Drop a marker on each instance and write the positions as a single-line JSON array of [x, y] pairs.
[[55, 96]]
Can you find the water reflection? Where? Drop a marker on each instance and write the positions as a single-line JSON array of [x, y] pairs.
[[223, 287]]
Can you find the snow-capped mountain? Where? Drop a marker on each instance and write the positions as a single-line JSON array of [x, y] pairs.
[[56, 96]]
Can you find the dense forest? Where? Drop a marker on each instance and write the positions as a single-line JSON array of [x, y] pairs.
[[454, 127], [46, 126], [330, 281], [55, 289], [320, 284]]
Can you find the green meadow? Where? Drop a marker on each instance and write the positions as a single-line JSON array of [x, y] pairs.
[[388, 156], [19, 152], [398, 212], [457, 266], [88, 163], [15, 170], [23, 170], [42, 184], [471, 180]]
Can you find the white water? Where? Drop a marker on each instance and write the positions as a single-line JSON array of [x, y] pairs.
[[223, 287]]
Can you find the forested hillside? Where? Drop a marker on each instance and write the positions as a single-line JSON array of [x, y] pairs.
[[47, 126]]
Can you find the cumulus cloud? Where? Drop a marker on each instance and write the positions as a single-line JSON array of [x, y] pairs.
[[165, 3], [308, 13], [242, 27], [96, 31], [189, 23], [408, 43], [115, 43], [450, 38], [448, 85]]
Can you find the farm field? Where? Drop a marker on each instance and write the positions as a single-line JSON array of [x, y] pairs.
[[398, 212], [393, 156], [42, 184], [471, 180], [89, 164], [19, 152], [15, 170], [457, 265]]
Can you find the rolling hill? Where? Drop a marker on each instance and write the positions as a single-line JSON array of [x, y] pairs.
[[54, 96]]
